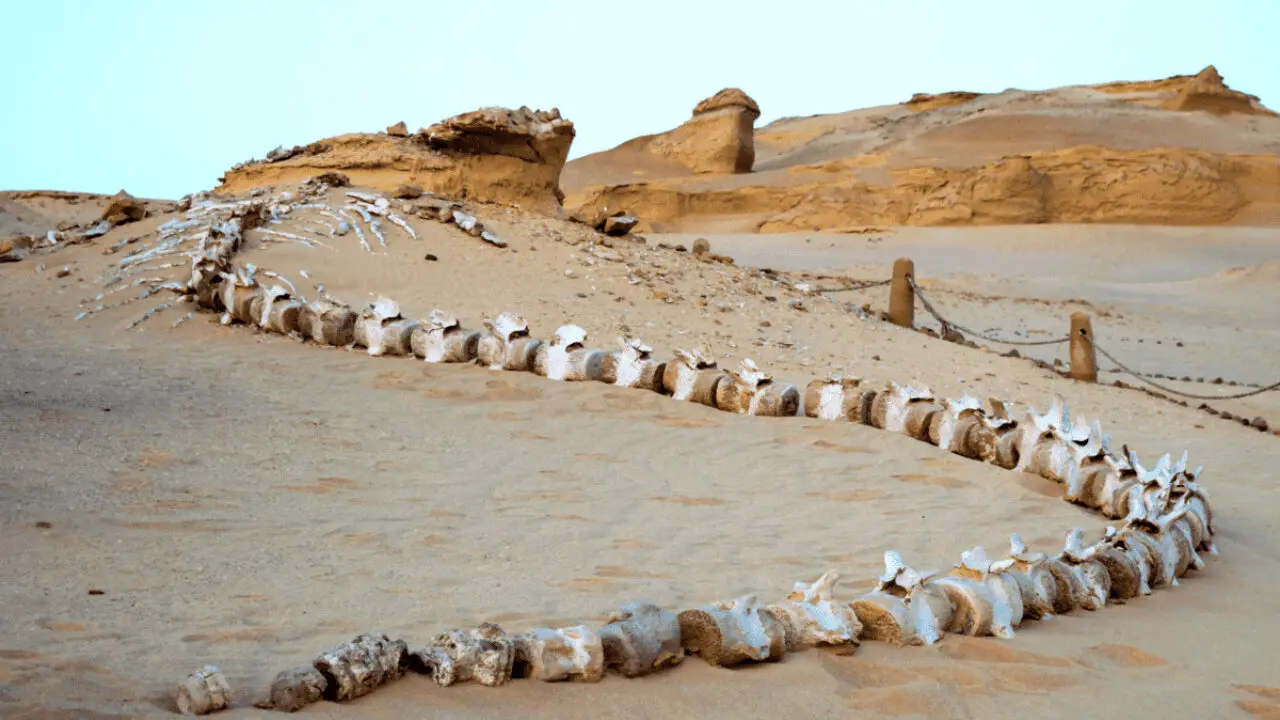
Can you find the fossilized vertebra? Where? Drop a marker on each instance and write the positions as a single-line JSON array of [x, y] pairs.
[[641, 638], [567, 358], [904, 609], [441, 339], [903, 409], [693, 376], [749, 391], [382, 329], [508, 345], [485, 654], [1038, 587], [327, 323], [572, 653], [733, 632], [985, 603], [360, 666], [633, 366], [296, 688], [1093, 583], [204, 691], [834, 398], [811, 615]]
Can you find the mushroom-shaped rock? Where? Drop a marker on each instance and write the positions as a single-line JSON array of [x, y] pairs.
[[204, 691], [641, 638], [382, 329], [732, 632], [567, 358], [441, 339], [572, 653], [719, 138], [812, 617], [360, 666], [508, 345], [904, 609]]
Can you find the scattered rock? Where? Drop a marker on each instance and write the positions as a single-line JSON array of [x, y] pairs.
[[620, 225], [430, 257], [11, 252], [1260, 423], [407, 192], [701, 246], [398, 130], [123, 208], [63, 271]]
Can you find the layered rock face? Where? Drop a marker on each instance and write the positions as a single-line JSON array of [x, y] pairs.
[[495, 155], [719, 138]]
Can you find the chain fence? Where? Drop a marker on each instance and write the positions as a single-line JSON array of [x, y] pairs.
[[1122, 367]]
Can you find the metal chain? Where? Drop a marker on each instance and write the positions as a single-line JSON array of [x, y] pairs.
[[948, 324], [860, 285], [1191, 396]]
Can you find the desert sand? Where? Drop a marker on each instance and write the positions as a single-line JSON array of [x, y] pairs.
[[177, 496]]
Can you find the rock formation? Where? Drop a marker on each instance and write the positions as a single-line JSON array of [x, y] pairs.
[[719, 138], [1209, 92], [495, 155]]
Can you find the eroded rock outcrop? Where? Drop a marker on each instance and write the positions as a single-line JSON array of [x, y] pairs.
[[1209, 92], [719, 138], [496, 155]]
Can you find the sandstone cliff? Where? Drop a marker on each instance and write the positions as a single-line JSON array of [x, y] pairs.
[[1185, 150], [495, 155]]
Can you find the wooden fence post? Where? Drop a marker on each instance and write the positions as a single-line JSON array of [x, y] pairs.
[[1084, 359], [902, 298]]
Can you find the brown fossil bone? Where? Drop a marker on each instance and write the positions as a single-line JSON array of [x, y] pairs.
[[296, 688], [485, 654], [732, 632], [359, 666], [572, 653], [441, 339], [905, 608], [1138, 555], [985, 603], [641, 638], [1125, 572], [204, 691], [812, 617], [748, 391], [961, 428], [239, 289], [566, 357], [1038, 587], [508, 345], [903, 409], [633, 366], [327, 323], [694, 377], [834, 398], [1092, 581], [383, 330]]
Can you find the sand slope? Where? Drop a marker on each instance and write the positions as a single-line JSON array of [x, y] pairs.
[[246, 500]]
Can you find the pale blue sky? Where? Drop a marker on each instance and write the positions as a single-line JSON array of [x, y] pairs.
[[160, 97]]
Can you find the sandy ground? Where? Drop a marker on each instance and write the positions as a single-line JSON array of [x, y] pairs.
[[245, 500]]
